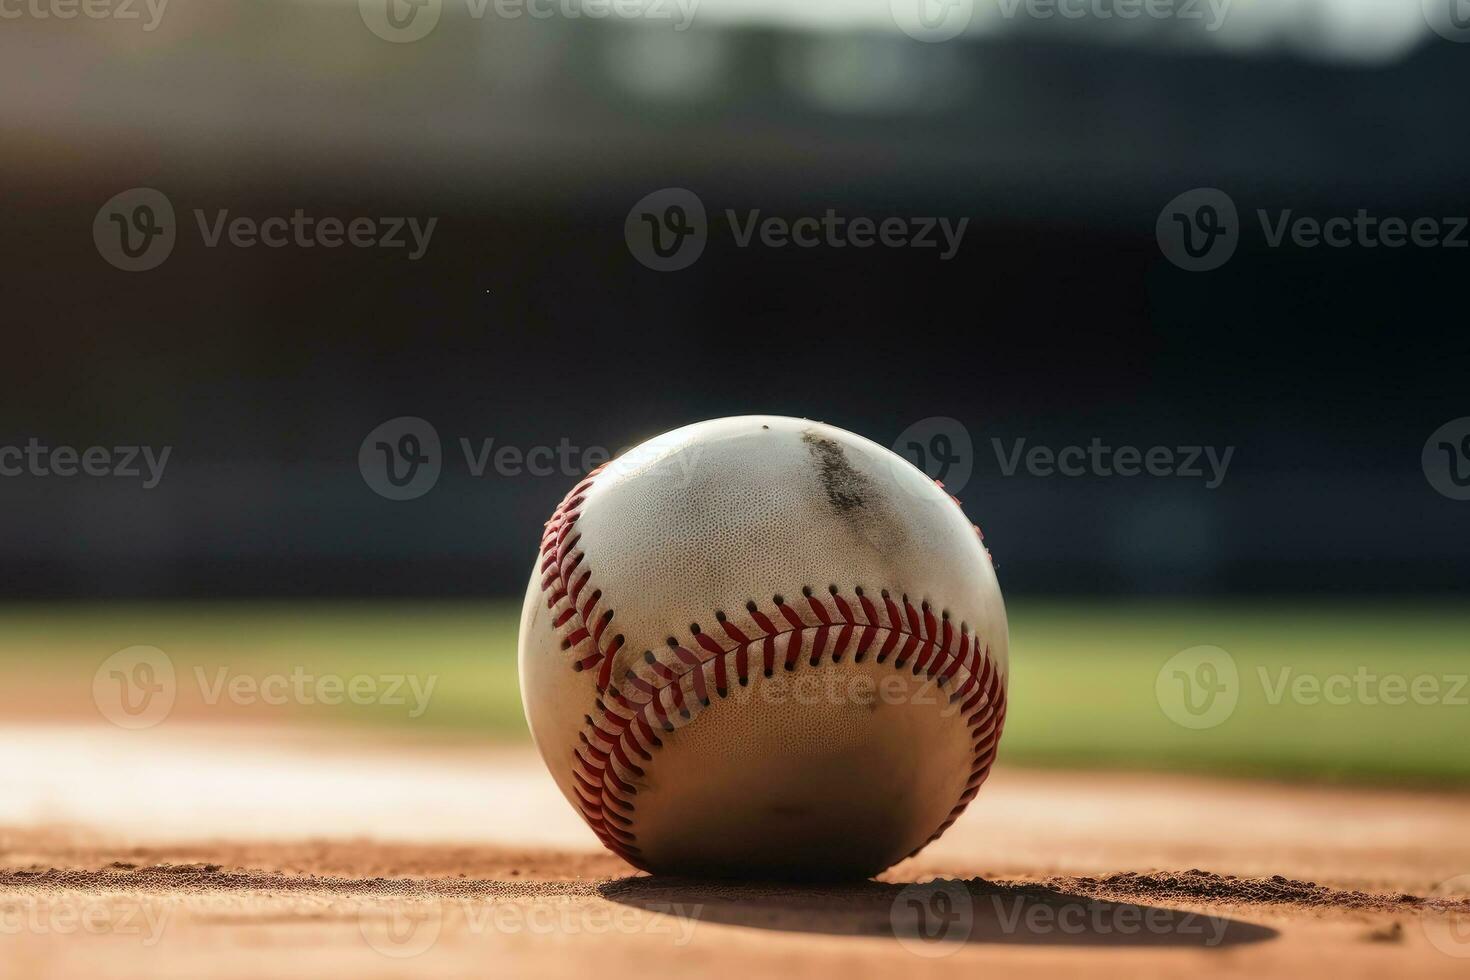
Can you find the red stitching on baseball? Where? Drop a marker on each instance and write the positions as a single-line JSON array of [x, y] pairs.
[[563, 580], [628, 721]]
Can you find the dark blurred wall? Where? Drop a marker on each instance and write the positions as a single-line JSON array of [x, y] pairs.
[[528, 321]]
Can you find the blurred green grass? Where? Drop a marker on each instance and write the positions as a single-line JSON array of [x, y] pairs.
[[1082, 682]]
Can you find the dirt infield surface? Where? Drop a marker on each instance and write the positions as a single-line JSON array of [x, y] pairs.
[[246, 854]]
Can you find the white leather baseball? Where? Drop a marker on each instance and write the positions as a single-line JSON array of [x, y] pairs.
[[763, 646]]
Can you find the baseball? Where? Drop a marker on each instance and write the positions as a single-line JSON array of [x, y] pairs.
[[764, 647]]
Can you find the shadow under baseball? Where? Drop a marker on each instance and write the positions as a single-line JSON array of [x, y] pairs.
[[938, 913]]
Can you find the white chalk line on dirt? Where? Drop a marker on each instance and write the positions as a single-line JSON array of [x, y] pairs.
[[181, 783]]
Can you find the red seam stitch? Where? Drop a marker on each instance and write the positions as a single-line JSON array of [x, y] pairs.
[[563, 578], [985, 724]]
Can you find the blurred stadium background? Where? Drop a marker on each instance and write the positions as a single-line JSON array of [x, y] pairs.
[[529, 322]]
